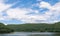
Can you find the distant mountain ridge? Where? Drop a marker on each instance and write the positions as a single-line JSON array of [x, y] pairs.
[[36, 27]]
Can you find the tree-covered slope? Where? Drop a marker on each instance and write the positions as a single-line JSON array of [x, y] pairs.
[[5, 29], [41, 27]]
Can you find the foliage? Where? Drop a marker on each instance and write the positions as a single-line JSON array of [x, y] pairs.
[[36, 27], [5, 29]]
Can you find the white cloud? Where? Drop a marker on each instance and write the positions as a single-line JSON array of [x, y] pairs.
[[49, 6], [17, 13], [53, 12], [49, 16], [4, 7], [20, 13], [44, 5]]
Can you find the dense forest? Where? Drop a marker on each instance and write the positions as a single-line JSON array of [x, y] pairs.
[[5, 29], [36, 27], [30, 27]]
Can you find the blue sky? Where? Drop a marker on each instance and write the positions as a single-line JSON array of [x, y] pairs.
[[29, 11]]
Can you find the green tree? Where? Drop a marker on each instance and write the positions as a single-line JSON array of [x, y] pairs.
[[5, 29]]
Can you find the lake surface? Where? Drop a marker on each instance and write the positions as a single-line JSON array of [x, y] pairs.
[[31, 34]]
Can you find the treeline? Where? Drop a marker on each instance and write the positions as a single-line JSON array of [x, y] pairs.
[[5, 29], [36, 27]]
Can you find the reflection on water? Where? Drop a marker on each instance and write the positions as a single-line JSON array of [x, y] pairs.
[[40, 35], [30, 34], [57, 35]]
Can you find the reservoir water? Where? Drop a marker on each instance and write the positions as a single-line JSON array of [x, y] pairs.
[[31, 34]]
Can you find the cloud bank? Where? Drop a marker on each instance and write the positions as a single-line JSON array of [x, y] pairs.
[[50, 16]]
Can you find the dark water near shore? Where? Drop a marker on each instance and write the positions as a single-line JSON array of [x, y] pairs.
[[31, 34]]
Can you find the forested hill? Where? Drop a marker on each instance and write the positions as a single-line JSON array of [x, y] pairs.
[[36, 27], [5, 29]]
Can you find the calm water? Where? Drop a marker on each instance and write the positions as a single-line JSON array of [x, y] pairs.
[[31, 34]]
